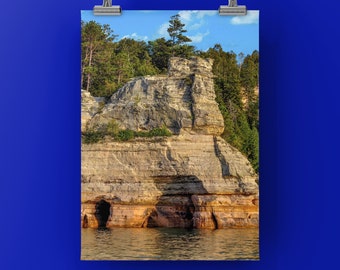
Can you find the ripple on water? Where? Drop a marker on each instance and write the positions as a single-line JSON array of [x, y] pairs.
[[169, 244]]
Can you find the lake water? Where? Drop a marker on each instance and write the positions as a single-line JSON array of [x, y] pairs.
[[170, 244]]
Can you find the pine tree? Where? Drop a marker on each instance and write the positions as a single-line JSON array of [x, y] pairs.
[[250, 81], [131, 59], [160, 51], [240, 123], [96, 41], [253, 142], [176, 30]]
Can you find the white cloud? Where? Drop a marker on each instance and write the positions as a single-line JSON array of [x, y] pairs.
[[252, 17], [163, 29], [136, 37], [186, 14], [196, 26], [198, 37], [202, 13], [189, 15], [193, 20]]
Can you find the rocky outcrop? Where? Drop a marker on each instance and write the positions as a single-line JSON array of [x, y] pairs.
[[184, 101], [191, 179], [89, 108]]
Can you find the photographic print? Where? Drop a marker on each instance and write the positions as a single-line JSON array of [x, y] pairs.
[[169, 133]]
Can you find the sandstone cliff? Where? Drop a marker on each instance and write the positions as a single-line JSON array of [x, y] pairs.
[[191, 179], [183, 101]]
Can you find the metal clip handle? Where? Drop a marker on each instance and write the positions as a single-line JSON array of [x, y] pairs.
[[107, 9], [232, 9]]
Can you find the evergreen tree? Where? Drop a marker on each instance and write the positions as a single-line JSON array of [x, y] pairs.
[[240, 58], [160, 51], [249, 74], [250, 82], [132, 59], [176, 30], [96, 41], [240, 122], [227, 74], [253, 148], [107, 65]]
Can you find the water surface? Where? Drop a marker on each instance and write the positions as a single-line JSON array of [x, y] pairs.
[[169, 244]]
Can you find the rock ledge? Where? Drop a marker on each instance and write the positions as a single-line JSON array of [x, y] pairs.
[[193, 179]]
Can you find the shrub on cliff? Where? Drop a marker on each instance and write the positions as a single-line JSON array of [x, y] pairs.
[[112, 128], [125, 135], [91, 136], [113, 131], [163, 131]]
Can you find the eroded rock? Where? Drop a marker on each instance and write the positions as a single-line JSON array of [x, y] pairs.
[[191, 179], [184, 101], [152, 182]]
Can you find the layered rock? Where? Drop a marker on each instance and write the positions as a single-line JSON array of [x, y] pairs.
[[191, 179], [184, 101], [90, 106]]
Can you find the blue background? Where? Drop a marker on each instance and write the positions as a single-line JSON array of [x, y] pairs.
[[40, 134]]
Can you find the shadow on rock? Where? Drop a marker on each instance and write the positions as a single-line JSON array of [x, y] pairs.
[[175, 207]]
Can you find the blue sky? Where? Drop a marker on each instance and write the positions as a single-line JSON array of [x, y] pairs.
[[204, 27]]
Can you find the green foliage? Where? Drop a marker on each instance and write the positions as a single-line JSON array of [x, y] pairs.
[[252, 112], [90, 137], [160, 51], [108, 64], [96, 44], [125, 135], [176, 30], [227, 75], [253, 148], [185, 51], [240, 120], [131, 59], [112, 128], [156, 132], [113, 131], [162, 131], [249, 74]]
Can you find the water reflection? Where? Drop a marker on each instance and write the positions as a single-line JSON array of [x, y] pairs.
[[169, 244]]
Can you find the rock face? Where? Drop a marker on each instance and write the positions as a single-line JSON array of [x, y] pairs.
[[184, 101], [191, 179], [89, 107]]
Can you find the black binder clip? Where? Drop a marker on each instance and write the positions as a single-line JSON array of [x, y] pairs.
[[107, 9], [232, 9]]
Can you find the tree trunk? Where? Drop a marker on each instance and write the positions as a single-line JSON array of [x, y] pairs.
[[83, 68], [89, 74]]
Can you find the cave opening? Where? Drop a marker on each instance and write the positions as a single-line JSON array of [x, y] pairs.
[[85, 221], [214, 220], [102, 213]]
